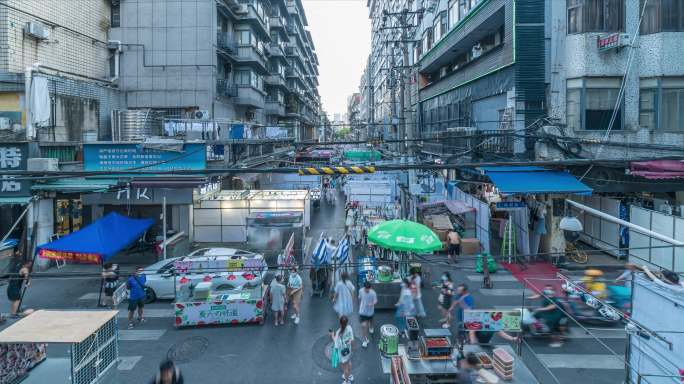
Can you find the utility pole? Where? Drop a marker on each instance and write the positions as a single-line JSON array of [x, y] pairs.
[[404, 78]]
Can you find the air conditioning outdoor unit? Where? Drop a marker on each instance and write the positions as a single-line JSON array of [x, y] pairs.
[[38, 30], [241, 9], [202, 114], [43, 164]]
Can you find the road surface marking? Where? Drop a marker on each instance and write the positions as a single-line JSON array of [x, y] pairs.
[[90, 296], [505, 292], [126, 363], [141, 334], [151, 313], [501, 278], [606, 333], [581, 361]]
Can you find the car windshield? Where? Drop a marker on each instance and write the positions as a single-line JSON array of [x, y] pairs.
[[168, 267]]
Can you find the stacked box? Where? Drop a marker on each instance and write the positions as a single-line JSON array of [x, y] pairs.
[[503, 363]]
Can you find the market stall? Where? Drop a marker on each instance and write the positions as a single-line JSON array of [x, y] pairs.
[[91, 338], [395, 244], [212, 291], [430, 357]]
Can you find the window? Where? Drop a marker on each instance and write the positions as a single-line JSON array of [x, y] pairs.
[[590, 103], [662, 16], [463, 8], [247, 77], [672, 110], [595, 16], [647, 112], [116, 14], [453, 13], [443, 23], [244, 37]]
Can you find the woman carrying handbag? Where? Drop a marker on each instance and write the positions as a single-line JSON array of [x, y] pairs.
[[342, 349]]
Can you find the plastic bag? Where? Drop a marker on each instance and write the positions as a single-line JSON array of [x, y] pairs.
[[334, 357]]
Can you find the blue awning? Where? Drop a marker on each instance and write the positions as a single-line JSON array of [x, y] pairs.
[[531, 180], [97, 242]]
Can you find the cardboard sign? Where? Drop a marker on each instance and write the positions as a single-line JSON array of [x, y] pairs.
[[492, 320], [119, 294], [235, 310]]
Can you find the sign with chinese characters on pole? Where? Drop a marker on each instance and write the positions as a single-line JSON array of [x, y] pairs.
[[236, 309], [611, 41], [14, 157]]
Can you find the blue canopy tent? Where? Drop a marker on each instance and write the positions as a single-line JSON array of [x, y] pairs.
[[523, 180], [98, 242]]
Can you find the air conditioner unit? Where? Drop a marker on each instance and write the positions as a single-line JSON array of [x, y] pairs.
[[5, 123], [42, 164], [38, 30], [202, 114], [241, 9]]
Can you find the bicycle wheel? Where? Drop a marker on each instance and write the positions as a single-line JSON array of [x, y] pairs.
[[577, 255]]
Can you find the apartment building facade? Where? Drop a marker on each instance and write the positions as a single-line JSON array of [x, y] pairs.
[[248, 61], [65, 45]]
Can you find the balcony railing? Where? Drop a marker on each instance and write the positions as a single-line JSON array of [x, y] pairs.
[[225, 88], [224, 42], [477, 142]]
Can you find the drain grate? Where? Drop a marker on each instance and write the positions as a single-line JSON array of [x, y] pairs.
[[188, 349]]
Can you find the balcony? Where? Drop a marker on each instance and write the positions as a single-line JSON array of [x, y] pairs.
[[466, 139], [224, 88], [249, 14], [275, 50], [291, 29], [249, 55], [225, 43], [276, 80], [274, 108], [276, 22], [248, 96]]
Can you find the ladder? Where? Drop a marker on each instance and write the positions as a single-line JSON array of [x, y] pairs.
[[508, 245]]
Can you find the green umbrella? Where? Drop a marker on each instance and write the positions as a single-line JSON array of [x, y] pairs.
[[404, 235]]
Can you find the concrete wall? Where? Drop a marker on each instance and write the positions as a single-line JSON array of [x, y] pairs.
[[64, 50], [169, 57], [576, 56]]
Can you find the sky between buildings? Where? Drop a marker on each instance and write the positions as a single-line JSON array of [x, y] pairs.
[[341, 33]]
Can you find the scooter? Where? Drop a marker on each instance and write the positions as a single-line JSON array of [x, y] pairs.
[[587, 309], [531, 326]]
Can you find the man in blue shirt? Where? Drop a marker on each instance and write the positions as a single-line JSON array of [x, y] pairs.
[[136, 295], [465, 301]]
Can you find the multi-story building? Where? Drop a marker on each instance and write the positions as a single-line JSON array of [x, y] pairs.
[[354, 115], [63, 46], [247, 61]]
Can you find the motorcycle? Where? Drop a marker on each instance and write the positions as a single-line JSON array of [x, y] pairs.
[[588, 309], [532, 326]]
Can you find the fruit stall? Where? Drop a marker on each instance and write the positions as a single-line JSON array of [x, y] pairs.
[[230, 292]]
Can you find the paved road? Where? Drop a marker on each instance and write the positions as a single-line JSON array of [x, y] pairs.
[[295, 354]]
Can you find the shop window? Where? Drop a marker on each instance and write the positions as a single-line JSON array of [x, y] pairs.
[[68, 216], [595, 16], [662, 16], [647, 108]]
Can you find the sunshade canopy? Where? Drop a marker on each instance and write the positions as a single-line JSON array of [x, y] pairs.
[[97, 242], [404, 235], [56, 326], [531, 180]]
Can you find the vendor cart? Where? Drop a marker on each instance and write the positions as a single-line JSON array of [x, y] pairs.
[[226, 294], [91, 338]]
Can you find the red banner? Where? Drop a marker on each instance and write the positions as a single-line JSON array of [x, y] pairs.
[[90, 258]]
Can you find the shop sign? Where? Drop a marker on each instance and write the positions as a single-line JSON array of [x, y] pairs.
[[140, 196], [232, 311], [510, 205], [492, 320], [13, 157], [612, 41], [75, 257], [121, 157]]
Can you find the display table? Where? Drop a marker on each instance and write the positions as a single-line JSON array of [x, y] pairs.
[[387, 293], [444, 371]]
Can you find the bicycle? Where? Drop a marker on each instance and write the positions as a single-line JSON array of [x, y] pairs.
[[575, 254]]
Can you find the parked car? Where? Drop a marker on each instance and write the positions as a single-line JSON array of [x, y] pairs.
[[160, 284]]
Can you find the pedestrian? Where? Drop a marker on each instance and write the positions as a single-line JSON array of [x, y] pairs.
[[404, 306], [628, 274], [168, 373], [295, 289], [464, 302], [277, 292], [367, 301], [343, 297], [110, 281], [136, 295], [18, 281], [467, 373], [416, 282], [445, 299], [454, 250], [342, 342]]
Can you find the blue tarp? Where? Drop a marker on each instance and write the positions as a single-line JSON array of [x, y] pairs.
[[97, 242], [530, 180]]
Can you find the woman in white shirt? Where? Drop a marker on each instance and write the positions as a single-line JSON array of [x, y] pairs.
[[342, 342], [343, 298], [295, 289]]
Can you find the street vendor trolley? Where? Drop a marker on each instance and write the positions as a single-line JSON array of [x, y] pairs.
[[90, 337]]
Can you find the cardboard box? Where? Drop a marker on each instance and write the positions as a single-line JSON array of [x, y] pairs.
[[470, 246], [442, 234]]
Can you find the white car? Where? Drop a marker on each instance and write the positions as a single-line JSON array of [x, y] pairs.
[[160, 275]]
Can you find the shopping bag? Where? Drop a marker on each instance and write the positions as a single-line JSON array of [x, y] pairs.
[[334, 357]]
